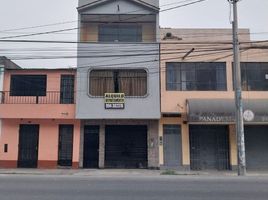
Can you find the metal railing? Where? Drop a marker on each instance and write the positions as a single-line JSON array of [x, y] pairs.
[[50, 97]]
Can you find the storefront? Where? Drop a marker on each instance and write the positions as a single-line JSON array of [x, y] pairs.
[[131, 144], [213, 144]]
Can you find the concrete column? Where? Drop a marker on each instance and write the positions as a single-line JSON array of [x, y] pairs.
[[161, 146], [185, 145], [102, 146], [81, 146], [153, 145], [232, 147]]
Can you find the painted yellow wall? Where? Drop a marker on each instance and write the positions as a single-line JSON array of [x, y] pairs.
[[184, 139]]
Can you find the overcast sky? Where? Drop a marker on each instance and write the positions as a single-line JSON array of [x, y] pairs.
[[24, 13]]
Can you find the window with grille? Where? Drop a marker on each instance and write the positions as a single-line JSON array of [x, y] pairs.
[[199, 76], [28, 85], [254, 76], [131, 82], [120, 33]]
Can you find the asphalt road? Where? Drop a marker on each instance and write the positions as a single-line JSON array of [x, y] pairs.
[[42, 187]]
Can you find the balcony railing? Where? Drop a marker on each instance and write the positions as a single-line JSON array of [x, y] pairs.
[[52, 97]]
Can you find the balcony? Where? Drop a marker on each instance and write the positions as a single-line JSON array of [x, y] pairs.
[[52, 104], [53, 97]]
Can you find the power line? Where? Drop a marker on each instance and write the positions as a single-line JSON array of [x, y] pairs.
[[73, 21], [180, 6], [38, 26], [139, 16]]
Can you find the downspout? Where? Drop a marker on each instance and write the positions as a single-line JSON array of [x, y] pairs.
[[2, 69]]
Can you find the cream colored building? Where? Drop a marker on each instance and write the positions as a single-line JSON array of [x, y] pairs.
[[197, 129]]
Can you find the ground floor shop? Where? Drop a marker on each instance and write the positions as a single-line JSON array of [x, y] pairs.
[[119, 144], [256, 144], [171, 143], [206, 146], [44, 143]]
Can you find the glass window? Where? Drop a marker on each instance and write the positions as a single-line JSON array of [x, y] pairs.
[[254, 76], [28, 85], [130, 82], [120, 33], [196, 76]]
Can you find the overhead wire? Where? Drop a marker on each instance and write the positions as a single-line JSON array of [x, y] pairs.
[[69, 29]]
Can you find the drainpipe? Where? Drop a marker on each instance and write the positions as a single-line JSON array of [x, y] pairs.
[[2, 69]]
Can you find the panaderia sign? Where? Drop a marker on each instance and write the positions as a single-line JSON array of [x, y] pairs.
[[114, 100]]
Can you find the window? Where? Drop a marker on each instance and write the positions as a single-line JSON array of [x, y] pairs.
[[131, 82], [254, 76], [195, 76], [120, 33], [28, 85], [67, 89]]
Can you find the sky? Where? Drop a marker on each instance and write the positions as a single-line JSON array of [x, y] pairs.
[[27, 13]]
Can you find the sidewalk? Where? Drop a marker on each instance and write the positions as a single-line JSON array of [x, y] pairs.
[[122, 172]]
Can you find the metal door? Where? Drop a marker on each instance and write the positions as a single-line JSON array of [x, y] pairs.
[[172, 146], [256, 141], [126, 147], [28, 146], [209, 147], [91, 147], [65, 156], [67, 89]]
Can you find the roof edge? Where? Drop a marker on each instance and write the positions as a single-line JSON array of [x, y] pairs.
[[95, 3]]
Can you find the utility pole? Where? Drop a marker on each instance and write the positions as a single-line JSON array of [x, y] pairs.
[[238, 96]]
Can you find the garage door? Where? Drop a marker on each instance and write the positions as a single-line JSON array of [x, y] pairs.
[[209, 147], [126, 147], [256, 141]]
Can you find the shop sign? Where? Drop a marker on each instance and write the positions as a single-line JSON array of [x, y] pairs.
[[215, 118], [114, 100], [248, 115]]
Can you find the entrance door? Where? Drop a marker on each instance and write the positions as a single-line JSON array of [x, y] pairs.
[[256, 141], [65, 157], [209, 147], [172, 146], [126, 147], [91, 147], [28, 146]]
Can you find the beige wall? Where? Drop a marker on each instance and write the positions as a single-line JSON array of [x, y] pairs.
[[232, 145], [175, 101], [184, 139]]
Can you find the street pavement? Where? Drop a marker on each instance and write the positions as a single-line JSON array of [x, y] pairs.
[[131, 186]]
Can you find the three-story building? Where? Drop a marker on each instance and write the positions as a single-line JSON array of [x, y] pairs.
[[118, 96]]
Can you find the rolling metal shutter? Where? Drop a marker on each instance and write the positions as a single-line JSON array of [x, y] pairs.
[[126, 147], [256, 141], [209, 147]]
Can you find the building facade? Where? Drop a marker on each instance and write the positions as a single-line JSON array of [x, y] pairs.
[[37, 109], [141, 97], [118, 96], [197, 100]]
